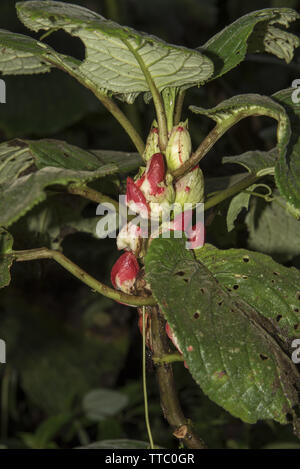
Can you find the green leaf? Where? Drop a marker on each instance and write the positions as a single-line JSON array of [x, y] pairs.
[[118, 58], [237, 204], [22, 55], [28, 168], [102, 403], [231, 111], [256, 162], [287, 169], [272, 230], [254, 32], [235, 314], [6, 260], [116, 444]]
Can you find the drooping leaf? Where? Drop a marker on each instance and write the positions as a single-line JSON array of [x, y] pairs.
[[102, 403], [29, 167], [118, 59], [6, 243], [257, 31], [235, 314], [287, 169]]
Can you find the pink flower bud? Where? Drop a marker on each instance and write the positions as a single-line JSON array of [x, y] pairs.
[[190, 187], [124, 272], [152, 143], [152, 182], [135, 199], [130, 238], [179, 147]]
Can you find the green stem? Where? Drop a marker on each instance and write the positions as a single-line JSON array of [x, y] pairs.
[[157, 99], [168, 358], [91, 194], [170, 404], [235, 189], [178, 107], [145, 383], [45, 253]]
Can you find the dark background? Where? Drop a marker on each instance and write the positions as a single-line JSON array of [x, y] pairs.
[[64, 340]]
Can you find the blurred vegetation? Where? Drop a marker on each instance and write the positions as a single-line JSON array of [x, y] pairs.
[[63, 341]]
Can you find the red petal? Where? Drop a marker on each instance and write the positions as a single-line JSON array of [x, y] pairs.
[[126, 268]]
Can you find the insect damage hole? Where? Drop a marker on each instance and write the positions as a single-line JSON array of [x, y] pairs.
[[263, 357], [246, 258]]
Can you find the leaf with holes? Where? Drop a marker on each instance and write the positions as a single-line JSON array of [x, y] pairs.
[[234, 314], [28, 168], [118, 58], [287, 169], [255, 32]]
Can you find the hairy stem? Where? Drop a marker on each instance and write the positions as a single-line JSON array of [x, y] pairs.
[[170, 404], [45, 253], [91, 194]]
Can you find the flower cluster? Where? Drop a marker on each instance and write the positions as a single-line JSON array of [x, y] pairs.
[[151, 193]]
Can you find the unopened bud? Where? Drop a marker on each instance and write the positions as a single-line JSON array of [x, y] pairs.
[[152, 181], [135, 199], [179, 147], [190, 188], [152, 143], [124, 272]]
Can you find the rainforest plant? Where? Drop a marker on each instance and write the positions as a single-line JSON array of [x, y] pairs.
[[230, 316]]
